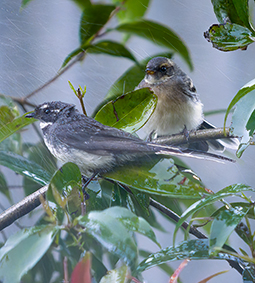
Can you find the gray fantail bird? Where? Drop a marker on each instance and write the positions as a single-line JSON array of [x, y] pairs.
[[94, 147], [179, 108]]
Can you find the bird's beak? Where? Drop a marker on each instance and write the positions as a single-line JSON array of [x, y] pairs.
[[30, 115], [149, 71]]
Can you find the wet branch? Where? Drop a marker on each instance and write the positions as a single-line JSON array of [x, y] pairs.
[[199, 135]]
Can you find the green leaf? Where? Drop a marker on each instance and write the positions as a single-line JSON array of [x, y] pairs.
[[111, 48], [229, 37], [4, 187], [235, 11], [228, 191], [242, 9], [243, 117], [131, 10], [25, 167], [39, 154], [128, 112], [250, 86], [224, 224], [12, 125], [111, 233], [82, 3], [118, 275], [164, 266], [34, 241], [25, 2], [157, 34], [192, 249], [160, 178], [132, 222], [73, 54], [64, 180], [93, 19]]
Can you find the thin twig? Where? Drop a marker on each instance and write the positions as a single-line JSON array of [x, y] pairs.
[[78, 58]]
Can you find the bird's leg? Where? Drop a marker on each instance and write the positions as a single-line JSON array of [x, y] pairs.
[[85, 183], [186, 133], [151, 136]]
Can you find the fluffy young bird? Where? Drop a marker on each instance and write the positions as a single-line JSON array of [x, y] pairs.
[[94, 147], [179, 108]]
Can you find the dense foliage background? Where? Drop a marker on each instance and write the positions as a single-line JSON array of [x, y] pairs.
[[114, 41]]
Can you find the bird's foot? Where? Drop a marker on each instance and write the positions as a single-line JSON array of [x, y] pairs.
[[85, 183], [186, 133]]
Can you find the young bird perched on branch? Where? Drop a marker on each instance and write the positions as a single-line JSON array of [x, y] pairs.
[[94, 147], [179, 108]]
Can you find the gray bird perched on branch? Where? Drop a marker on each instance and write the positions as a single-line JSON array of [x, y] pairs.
[[94, 147], [179, 108]]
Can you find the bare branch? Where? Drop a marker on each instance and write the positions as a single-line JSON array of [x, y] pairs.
[[199, 135], [21, 208]]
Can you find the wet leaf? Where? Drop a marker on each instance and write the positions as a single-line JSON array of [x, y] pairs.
[[159, 177], [132, 222], [131, 10], [229, 37], [243, 118], [93, 18], [118, 275], [39, 154], [235, 11], [34, 241], [235, 189], [111, 233], [192, 249], [81, 272], [111, 48], [128, 112], [64, 181], [224, 224], [164, 266], [25, 167], [157, 34], [9, 125]]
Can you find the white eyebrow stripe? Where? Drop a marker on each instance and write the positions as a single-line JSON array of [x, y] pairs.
[[44, 106]]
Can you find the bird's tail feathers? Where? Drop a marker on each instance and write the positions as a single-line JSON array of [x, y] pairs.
[[169, 150]]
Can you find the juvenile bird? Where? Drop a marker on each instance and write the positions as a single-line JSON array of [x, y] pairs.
[[179, 108], [94, 147]]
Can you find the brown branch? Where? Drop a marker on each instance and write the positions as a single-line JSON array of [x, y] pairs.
[[199, 135], [21, 208]]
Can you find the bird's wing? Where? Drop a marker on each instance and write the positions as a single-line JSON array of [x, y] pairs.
[[94, 137]]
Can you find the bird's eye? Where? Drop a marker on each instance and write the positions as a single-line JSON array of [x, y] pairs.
[[46, 111], [163, 69]]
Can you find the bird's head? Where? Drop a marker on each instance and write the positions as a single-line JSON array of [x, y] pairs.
[[159, 69], [49, 112]]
